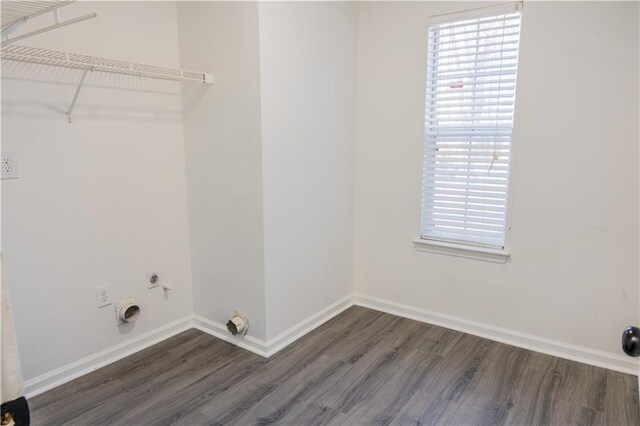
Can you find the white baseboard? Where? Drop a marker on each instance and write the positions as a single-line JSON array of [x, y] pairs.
[[289, 336], [86, 365], [71, 371], [515, 338], [65, 374]]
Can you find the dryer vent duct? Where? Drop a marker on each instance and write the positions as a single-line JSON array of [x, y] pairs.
[[127, 310], [238, 325]]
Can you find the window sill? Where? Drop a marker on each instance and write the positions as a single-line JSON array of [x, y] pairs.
[[460, 250]]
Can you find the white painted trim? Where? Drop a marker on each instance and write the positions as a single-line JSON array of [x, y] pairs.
[[289, 336], [220, 331], [71, 371], [515, 338], [462, 250]]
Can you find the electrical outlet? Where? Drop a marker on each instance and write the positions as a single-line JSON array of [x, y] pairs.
[[103, 296], [9, 165]]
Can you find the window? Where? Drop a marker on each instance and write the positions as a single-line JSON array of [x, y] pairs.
[[470, 99]]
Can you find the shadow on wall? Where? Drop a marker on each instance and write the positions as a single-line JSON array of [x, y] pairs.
[[129, 98], [192, 95]]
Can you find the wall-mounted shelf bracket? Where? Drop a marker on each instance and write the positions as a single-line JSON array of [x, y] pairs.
[[11, 28], [75, 96]]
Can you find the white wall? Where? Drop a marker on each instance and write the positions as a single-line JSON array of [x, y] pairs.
[[307, 53], [222, 136], [100, 200], [573, 274]]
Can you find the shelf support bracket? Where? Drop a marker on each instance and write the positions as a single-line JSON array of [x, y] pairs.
[[75, 97], [11, 28]]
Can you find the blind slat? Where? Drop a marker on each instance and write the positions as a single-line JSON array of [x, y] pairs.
[[455, 36], [473, 97], [487, 129], [447, 138], [478, 49], [472, 109], [468, 70], [498, 53], [458, 39], [491, 216], [495, 174], [507, 82], [480, 117], [435, 64], [475, 207], [484, 189], [476, 200], [473, 106], [468, 223], [468, 76], [480, 180], [465, 184], [442, 146], [437, 161]]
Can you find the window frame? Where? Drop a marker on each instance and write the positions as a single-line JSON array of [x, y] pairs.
[[460, 248]]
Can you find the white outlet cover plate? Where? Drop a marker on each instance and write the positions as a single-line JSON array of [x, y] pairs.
[[9, 165], [103, 296]]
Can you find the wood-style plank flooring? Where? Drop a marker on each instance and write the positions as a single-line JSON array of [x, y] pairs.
[[362, 367]]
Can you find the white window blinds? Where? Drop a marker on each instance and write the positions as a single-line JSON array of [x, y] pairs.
[[471, 82]]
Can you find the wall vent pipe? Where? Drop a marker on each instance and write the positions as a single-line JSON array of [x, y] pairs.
[[238, 325]]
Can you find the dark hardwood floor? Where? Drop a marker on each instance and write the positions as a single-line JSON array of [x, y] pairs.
[[362, 367]]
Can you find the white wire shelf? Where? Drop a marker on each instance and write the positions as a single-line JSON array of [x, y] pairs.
[[16, 11], [15, 52], [86, 63]]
